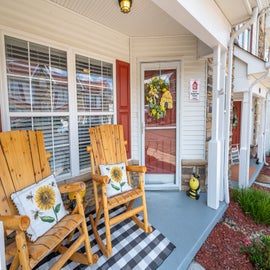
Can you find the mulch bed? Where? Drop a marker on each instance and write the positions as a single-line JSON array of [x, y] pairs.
[[266, 169], [264, 176], [221, 250]]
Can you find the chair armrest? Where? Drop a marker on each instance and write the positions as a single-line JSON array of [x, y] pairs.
[[100, 179], [139, 169], [15, 223], [74, 187]]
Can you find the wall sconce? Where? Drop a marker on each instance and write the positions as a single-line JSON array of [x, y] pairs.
[[125, 5]]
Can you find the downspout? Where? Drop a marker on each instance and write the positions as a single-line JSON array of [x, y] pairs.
[[266, 130], [228, 100]]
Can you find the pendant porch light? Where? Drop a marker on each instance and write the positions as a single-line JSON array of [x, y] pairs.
[[125, 5]]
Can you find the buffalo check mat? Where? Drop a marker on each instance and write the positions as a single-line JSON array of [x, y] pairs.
[[132, 248]]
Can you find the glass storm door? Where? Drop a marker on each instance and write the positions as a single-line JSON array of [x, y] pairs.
[[159, 124]]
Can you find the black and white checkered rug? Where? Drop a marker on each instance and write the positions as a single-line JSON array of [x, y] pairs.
[[132, 249]]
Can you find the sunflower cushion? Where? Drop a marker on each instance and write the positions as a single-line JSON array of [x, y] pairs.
[[42, 203], [117, 178]]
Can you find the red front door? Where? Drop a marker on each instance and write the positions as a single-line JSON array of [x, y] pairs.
[[236, 122]]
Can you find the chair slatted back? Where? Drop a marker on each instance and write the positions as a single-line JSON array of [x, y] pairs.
[[108, 145], [23, 162]]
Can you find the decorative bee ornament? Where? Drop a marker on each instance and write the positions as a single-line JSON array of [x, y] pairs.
[[194, 184]]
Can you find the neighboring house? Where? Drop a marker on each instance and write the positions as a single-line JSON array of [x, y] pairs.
[[251, 94], [67, 65]]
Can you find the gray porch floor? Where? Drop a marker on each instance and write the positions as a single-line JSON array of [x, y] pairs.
[[258, 168], [184, 221]]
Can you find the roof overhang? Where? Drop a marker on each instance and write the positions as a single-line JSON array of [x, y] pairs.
[[202, 18], [254, 64], [250, 71]]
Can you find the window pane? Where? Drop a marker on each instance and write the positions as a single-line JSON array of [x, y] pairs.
[[44, 124], [62, 161], [39, 61], [37, 82], [41, 95], [60, 96], [84, 140], [21, 123], [82, 69], [19, 94], [94, 85], [56, 137], [59, 65], [94, 95], [16, 56], [37, 77], [37, 85], [83, 97]]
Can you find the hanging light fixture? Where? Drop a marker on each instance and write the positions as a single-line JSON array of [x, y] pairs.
[[125, 5]]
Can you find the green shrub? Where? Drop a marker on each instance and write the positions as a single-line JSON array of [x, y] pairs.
[[258, 251], [255, 203]]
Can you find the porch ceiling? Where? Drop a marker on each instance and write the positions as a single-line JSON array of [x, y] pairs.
[[148, 19], [144, 19]]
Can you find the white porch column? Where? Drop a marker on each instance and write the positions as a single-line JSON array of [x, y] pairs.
[[267, 123], [245, 140], [221, 120], [214, 148], [260, 129]]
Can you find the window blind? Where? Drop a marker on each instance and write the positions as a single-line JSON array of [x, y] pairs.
[[38, 96], [94, 99]]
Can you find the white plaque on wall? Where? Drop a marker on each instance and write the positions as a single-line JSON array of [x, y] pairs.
[[194, 87]]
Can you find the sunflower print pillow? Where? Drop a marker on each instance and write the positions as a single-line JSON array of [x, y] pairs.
[[42, 203], [117, 178]]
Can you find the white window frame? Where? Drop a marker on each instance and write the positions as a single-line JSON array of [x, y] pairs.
[[72, 113]]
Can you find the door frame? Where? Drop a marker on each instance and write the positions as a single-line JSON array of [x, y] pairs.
[[160, 64]]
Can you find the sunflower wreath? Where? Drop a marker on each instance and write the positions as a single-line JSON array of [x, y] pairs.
[[158, 97]]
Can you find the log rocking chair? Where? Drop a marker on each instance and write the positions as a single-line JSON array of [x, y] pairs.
[[23, 167], [109, 167]]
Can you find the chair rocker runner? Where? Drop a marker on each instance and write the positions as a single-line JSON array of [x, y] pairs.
[[23, 167], [108, 152]]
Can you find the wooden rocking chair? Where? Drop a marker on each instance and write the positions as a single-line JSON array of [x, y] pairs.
[[24, 162], [107, 148]]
